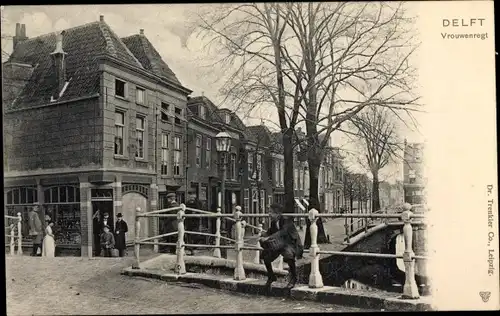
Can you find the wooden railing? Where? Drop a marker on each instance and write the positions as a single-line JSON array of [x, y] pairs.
[[410, 289], [15, 231]]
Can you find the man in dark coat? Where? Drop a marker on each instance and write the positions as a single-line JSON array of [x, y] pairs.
[[169, 225], [106, 221], [35, 230], [121, 228], [193, 224], [282, 239], [96, 231]]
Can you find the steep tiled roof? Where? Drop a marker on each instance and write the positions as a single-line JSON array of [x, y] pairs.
[[149, 57], [262, 134], [82, 45]]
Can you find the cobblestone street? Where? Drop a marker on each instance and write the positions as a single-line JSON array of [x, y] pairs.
[[67, 285]]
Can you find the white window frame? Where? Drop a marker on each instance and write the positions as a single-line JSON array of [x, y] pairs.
[[120, 126], [165, 154], [246, 201], [140, 152], [208, 152], [227, 117], [412, 174], [251, 174], [259, 166], [295, 178], [232, 166], [199, 142], [282, 173], [269, 200], [124, 96], [138, 100], [177, 156], [166, 110], [262, 201]]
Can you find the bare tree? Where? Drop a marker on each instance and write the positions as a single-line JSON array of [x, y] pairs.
[[376, 130], [251, 40]]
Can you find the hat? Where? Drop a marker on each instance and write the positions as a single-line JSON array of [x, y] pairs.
[[119, 215], [171, 195], [106, 213]]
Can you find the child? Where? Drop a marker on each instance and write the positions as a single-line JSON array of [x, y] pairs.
[[107, 241]]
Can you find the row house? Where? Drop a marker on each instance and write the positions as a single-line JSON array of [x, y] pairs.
[[414, 178], [331, 179], [85, 112]]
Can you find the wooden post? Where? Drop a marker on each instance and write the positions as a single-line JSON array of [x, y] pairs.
[[137, 238], [19, 234], [217, 253], [315, 278], [256, 259], [239, 271], [410, 289], [12, 239], [180, 266]]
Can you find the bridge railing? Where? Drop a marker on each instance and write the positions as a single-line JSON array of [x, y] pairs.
[[14, 231], [410, 289]]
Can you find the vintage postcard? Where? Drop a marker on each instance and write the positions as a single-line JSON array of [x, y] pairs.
[[288, 157]]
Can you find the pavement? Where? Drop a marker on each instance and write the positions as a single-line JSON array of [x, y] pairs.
[[82, 286]]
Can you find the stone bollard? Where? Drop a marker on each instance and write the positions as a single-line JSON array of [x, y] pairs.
[[180, 265], [239, 271], [410, 289], [137, 246], [315, 278], [256, 259], [217, 253]]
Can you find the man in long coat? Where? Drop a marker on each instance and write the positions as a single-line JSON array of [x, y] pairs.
[[282, 239], [121, 228], [35, 230], [96, 232], [169, 225]]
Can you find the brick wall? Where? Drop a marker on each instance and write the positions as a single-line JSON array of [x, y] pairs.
[[58, 136]]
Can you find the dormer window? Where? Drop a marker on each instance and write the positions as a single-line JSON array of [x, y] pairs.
[[203, 112], [227, 118]]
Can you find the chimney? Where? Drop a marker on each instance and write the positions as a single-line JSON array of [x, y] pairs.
[[101, 18], [59, 64], [20, 34], [141, 31]]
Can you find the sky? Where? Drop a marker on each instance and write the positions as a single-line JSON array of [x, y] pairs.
[[168, 27]]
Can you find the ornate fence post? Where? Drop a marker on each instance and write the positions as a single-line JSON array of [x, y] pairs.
[[12, 239], [19, 234], [315, 278], [256, 259], [137, 246], [217, 253], [410, 289], [239, 271], [180, 266]]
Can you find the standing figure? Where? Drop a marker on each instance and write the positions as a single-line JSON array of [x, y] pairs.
[[121, 228], [96, 231], [49, 243], [169, 225], [35, 230], [107, 241], [282, 239], [106, 221]]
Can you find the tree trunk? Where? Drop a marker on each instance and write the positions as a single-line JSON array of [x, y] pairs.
[[375, 193], [288, 159]]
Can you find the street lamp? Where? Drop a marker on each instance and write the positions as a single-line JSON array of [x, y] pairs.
[[223, 144]]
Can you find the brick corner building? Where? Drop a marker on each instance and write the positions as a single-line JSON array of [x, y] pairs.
[[85, 112]]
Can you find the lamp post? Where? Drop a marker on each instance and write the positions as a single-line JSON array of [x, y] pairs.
[[223, 144]]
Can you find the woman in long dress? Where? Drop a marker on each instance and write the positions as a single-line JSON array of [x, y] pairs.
[[49, 244]]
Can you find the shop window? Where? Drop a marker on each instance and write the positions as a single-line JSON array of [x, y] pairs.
[[20, 200]]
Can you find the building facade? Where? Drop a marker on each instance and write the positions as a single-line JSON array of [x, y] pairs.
[[414, 178], [83, 129]]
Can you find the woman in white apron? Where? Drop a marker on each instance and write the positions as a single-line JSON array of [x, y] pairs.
[[49, 244]]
